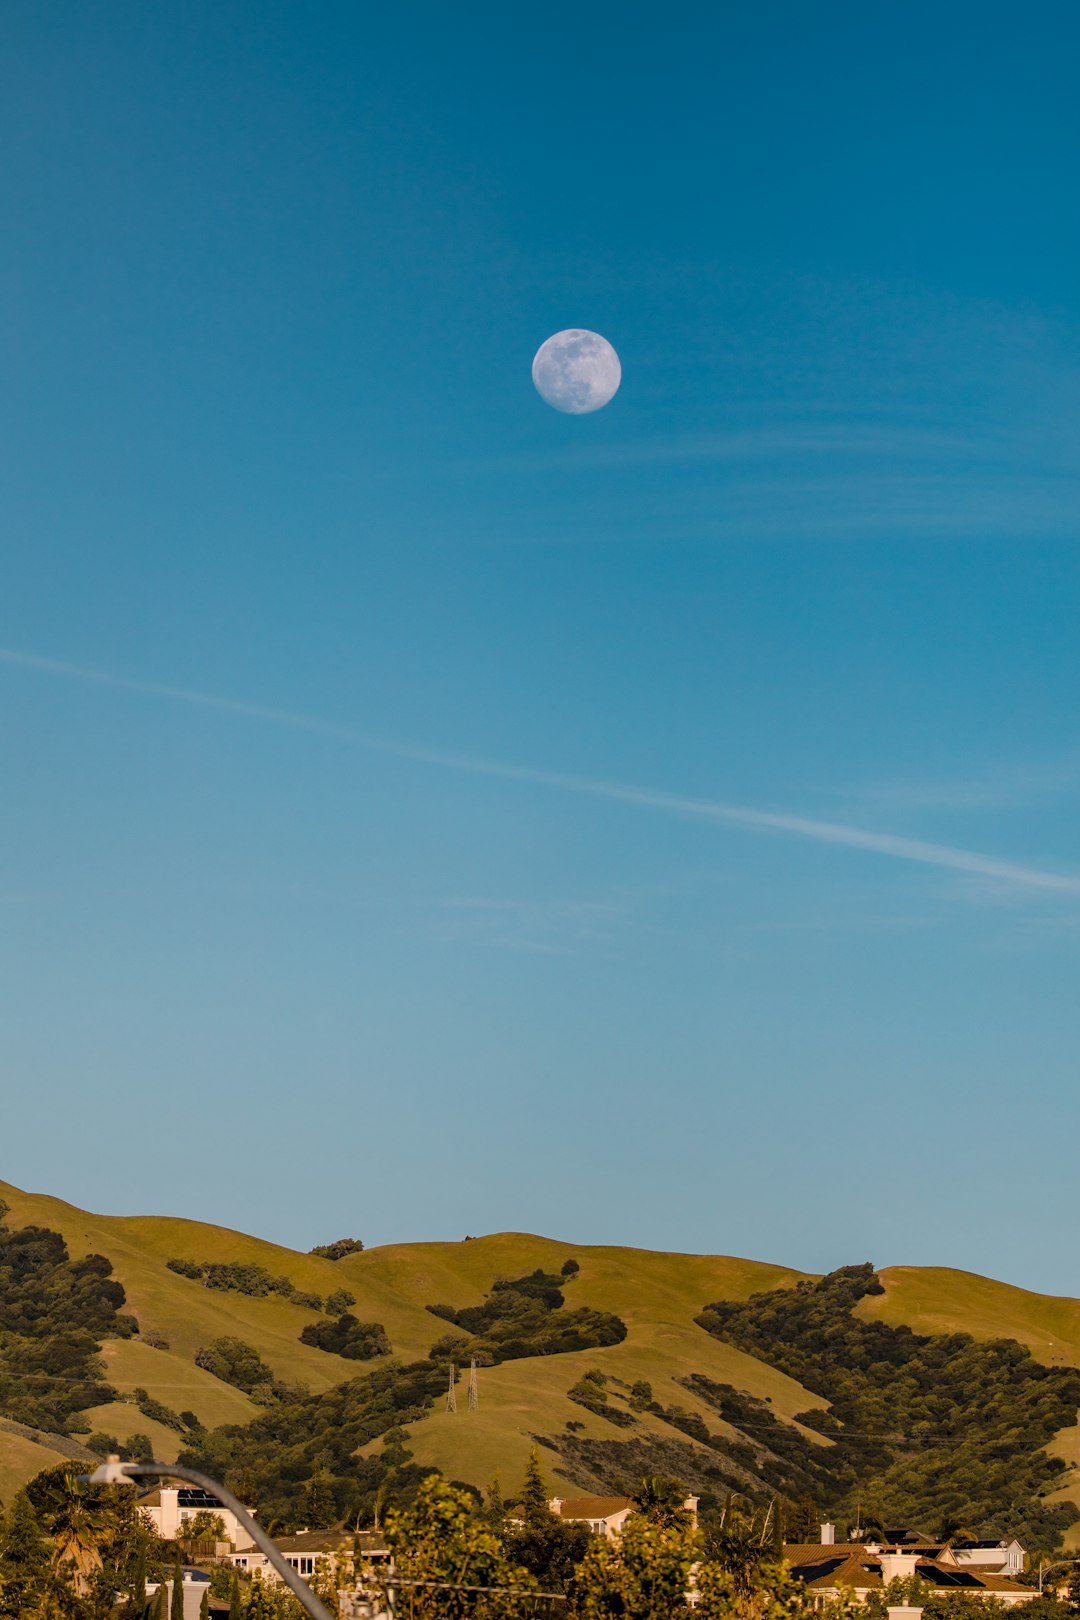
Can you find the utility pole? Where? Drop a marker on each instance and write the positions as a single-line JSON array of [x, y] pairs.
[[474, 1393], [451, 1393]]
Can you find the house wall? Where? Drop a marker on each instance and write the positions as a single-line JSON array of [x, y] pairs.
[[1007, 1560]]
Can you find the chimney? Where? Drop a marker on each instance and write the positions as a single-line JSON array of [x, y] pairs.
[[828, 1535], [897, 1565]]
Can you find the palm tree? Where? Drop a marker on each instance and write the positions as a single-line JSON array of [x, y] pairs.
[[953, 1530], [742, 1540], [868, 1526], [662, 1500], [77, 1518]]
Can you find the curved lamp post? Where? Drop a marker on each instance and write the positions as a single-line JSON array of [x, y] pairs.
[[115, 1472]]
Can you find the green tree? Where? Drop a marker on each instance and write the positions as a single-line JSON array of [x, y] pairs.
[[338, 1249], [204, 1604], [533, 1499], [972, 1606], [741, 1542], [773, 1594], [206, 1525], [235, 1362], [24, 1558], [1074, 1589], [869, 1525], [245, 1487], [176, 1605], [319, 1510], [644, 1574], [496, 1507], [77, 1517], [259, 1604], [548, 1549], [904, 1591], [130, 1551], [439, 1539], [662, 1500], [803, 1524], [953, 1529], [135, 1587]]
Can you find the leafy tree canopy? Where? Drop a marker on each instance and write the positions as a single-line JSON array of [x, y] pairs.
[[338, 1249], [357, 1341], [903, 1409], [54, 1312], [526, 1317]]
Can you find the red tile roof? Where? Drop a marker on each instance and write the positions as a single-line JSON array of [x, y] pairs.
[[594, 1507]]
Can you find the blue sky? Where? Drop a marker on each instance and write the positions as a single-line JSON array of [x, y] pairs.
[[424, 813]]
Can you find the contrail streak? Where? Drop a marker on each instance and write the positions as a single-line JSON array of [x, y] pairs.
[[822, 832]]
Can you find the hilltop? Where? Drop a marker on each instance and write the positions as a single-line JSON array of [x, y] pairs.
[[601, 1435]]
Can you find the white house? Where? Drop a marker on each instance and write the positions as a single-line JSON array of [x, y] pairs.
[[829, 1568], [170, 1507], [308, 1549], [605, 1515], [997, 1557]]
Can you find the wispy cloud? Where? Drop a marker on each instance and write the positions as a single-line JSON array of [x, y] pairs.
[[1015, 875]]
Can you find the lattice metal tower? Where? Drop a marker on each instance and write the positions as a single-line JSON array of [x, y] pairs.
[[474, 1394], [451, 1394]]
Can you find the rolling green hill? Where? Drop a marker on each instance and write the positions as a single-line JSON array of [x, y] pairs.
[[656, 1296]]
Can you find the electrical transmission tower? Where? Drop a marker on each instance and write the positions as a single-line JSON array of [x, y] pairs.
[[474, 1394], [451, 1394]]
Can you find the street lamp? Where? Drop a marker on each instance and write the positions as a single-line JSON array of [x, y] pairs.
[[1055, 1564], [115, 1472]]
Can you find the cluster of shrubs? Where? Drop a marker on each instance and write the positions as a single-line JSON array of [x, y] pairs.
[[338, 1249], [136, 1448], [150, 1407], [356, 1341], [525, 1316], [283, 1445], [238, 1363], [591, 1392], [889, 1387], [54, 1312], [241, 1277]]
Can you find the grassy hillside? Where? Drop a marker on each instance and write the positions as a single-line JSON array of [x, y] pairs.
[[658, 1296], [20, 1460], [937, 1299], [933, 1299]]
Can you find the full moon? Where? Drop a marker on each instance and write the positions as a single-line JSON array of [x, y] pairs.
[[576, 371]]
